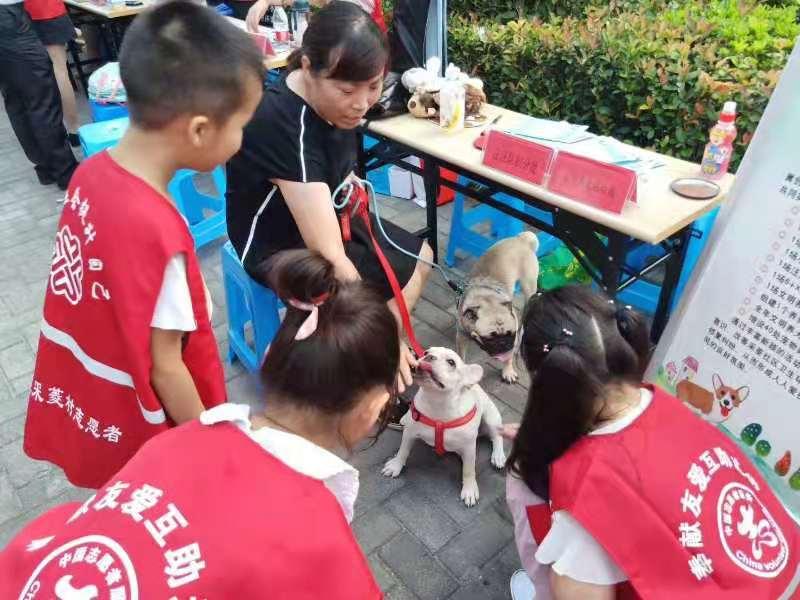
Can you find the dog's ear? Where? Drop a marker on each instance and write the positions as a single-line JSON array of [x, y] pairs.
[[471, 374], [716, 381], [743, 393]]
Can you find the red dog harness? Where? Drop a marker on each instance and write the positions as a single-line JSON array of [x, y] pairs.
[[440, 426], [361, 208]]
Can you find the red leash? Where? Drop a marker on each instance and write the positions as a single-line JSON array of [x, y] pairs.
[[440, 426], [362, 210]]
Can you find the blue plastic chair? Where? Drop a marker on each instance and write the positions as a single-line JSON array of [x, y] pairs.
[[96, 137], [107, 111], [193, 204], [205, 214], [641, 294], [644, 295], [463, 224], [250, 305]]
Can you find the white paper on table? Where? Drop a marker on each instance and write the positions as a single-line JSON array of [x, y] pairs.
[[545, 129]]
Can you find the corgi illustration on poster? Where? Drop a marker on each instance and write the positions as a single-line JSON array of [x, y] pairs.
[[715, 406]]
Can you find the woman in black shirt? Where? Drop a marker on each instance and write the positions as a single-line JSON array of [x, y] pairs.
[[301, 145]]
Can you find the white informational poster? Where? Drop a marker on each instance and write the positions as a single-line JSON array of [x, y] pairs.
[[732, 349]]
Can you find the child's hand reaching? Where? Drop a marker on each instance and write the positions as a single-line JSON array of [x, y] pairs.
[[407, 364], [509, 430]]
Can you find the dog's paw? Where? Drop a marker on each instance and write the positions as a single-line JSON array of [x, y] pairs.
[[469, 492], [392, 467], [509, 374], [498, 458]]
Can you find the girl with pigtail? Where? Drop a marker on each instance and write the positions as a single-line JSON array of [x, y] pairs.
[[616, 488], [258, 503]]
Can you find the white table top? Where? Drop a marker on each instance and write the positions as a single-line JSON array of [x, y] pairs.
[[109, 11], [658, 213]]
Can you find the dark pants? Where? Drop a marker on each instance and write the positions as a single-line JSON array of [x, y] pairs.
[[31, 95]]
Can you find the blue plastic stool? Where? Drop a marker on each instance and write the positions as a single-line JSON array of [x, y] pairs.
[[96, 137], [196, 206], [643, 294], [107, 111], [248, 304], [224, 10], [463, 222]]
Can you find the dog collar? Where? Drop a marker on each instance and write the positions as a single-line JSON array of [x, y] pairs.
[[440, 426]]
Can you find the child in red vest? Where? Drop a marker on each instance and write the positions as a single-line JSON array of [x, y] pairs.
[[617, 490], [126, 347], [239, 505]]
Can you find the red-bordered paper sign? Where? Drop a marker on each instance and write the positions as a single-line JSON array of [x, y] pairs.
[[521, 158], [592, 182], [595, 183]]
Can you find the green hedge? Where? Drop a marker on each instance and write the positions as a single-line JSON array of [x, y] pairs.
[[502, 11], [655, 78], [506, 10]]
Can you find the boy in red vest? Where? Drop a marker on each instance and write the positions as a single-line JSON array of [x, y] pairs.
[[126, 347], [617, 490], [239, 505]]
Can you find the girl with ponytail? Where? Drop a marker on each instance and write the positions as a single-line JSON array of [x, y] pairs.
[[607, 475], [257, 502]]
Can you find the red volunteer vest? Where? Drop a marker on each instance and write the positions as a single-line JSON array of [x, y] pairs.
[[199, 512], [377, 16], [40, 10], [679, 508], [91, 405]]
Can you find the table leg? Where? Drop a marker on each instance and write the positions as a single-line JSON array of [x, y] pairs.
[[611, 267], [431, 177], [671, 277]]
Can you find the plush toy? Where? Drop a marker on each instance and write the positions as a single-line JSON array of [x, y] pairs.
[[425, 83], [476, 97], [424, 104]]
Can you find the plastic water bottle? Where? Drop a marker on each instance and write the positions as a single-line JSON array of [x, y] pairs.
[[299, 20], [452, 106], [280, 23], [717, 155]]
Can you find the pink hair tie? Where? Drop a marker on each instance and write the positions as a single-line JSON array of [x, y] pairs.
[[309, 326]]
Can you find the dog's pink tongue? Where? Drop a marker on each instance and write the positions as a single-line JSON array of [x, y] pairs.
[[425, 366], [504, 356]]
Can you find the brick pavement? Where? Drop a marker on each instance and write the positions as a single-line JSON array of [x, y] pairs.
[[420, 539]]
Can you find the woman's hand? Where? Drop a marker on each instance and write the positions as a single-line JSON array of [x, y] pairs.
[[312, 211], [407, 364], [259, 9], [256, 13]]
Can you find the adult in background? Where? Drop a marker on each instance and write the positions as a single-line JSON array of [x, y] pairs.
[[257, 10], [31, 97], [55, 29], [301, 146]]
